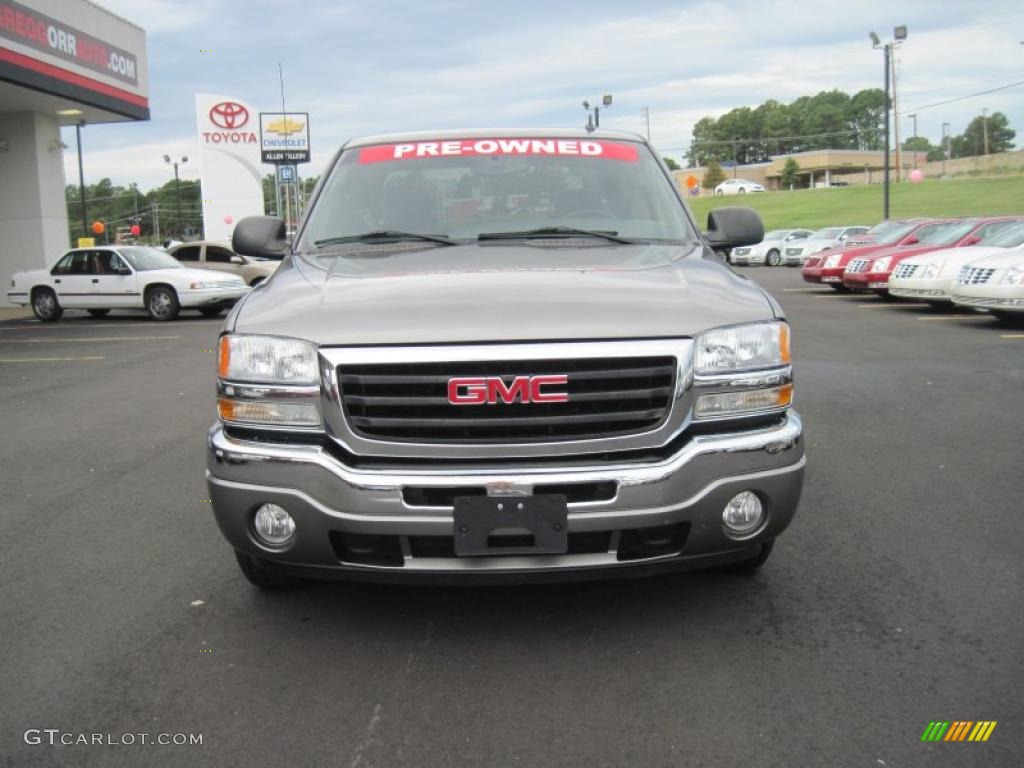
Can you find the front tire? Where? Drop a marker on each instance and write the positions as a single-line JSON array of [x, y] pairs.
[[259, 576], [743, 190], [45, 305], [162, 303], [211, 311], [98, 312], [773, 258]]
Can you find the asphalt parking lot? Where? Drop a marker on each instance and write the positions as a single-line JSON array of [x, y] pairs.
[[895, 599]]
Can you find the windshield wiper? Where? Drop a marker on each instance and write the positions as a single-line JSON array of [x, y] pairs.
[[556, 232], [385, 235]]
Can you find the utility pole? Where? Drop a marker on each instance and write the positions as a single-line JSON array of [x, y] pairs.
[[914, 118], [899, 35], [895, 115], [177, 188], [735, 155], [156, 220], [984, 125], [647, 120], [945, 142]]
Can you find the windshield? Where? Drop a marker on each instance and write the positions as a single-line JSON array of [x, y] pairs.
[[144, 258], [1006, 237], [776, 234], [461, 189], [944, 234], [895, 234], [886, 228], [827, 234]]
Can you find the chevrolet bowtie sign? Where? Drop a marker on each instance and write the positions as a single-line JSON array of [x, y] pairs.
[[284, 138]]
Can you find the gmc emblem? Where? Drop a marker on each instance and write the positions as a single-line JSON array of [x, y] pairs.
[[477, 390]]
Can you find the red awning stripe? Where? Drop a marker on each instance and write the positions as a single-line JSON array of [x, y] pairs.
[[70, 77]]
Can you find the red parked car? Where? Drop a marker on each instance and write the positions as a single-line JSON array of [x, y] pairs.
[[827, 267], [871, 273]]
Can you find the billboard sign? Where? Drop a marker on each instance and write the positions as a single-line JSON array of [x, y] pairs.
[[284, 137], [229, 153]]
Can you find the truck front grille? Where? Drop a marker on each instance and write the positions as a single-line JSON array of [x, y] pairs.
[[408, 402]]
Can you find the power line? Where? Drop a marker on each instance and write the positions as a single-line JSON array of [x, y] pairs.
[[759, 140], [962, 98]]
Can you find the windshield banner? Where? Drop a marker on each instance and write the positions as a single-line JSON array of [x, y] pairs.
[[602, 150]]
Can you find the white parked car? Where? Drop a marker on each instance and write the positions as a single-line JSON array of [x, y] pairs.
[[738, 187], [995, 283], [932, 276], [822, 240], [123, 277], [769, 250], [216, 256]]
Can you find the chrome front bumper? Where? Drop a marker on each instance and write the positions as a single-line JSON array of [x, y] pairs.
[[324, 495]]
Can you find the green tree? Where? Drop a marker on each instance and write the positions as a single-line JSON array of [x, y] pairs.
[[972, 140], [672, 164], [713, 175], [790, 173]]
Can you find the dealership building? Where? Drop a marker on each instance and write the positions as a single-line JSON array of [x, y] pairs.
[[62, 63]]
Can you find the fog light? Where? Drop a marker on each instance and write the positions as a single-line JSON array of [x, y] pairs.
[[273, 525], [743, 514]]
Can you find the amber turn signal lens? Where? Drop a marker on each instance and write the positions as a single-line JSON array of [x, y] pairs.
[[223, 357], [785, 354]]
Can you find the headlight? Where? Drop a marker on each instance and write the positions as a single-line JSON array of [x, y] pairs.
[[742, 348], [833, 260], [267, 360], [880, 265], [1014, 275], [933, 269]]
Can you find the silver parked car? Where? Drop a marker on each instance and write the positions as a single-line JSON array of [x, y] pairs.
[[822, 240], [769, 250], [461, 373]]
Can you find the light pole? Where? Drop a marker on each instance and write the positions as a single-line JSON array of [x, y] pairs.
[[594, 118], [177, 186], [647, 121], [914, 118], [81, 178], [899, 35], [945, 147]]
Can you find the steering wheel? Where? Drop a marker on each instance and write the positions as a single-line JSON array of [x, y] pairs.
[[589, 212]]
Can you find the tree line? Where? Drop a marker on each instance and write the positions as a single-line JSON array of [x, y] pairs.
[[154, 211], [830, 120]]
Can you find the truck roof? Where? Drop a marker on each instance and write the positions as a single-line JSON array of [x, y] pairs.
[[490, 133]]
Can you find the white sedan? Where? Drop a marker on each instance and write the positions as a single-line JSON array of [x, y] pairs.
[[769, 250], [123, 277], [738, 187], [931, 276], [822, 240], [995, 283]]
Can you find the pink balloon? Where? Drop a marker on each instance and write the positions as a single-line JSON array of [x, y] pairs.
[[916, 176], [228, 219]]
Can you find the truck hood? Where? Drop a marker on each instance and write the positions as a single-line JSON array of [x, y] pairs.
[[502, 292]]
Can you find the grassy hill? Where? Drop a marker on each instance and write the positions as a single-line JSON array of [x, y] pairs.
[[814, 208]]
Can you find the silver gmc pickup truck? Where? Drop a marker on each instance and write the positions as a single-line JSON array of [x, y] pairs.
[[508, 355]]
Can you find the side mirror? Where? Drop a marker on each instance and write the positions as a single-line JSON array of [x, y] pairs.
[[912, 240], [733, 226], [237, 260], [972, 240], [260, 236]]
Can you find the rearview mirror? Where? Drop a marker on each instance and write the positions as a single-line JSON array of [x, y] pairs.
[[260, 236], [733, 226]]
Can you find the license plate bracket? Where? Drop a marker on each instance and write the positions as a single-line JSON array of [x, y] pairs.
[[511, 525]]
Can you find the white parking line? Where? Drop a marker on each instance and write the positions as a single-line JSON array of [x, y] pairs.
[[883, 305], [36, 325], [86, 338], [46, 359], [955, 317], [804, 290], [1012, 335]]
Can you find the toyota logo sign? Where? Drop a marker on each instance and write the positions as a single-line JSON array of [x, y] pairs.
[[229, 115]]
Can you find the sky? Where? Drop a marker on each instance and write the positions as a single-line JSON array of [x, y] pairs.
[[363, 67]]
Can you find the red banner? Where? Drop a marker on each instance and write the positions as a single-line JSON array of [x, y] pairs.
[[600, 150]]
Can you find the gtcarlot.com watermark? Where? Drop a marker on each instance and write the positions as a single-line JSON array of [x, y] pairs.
[[54, 737]]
